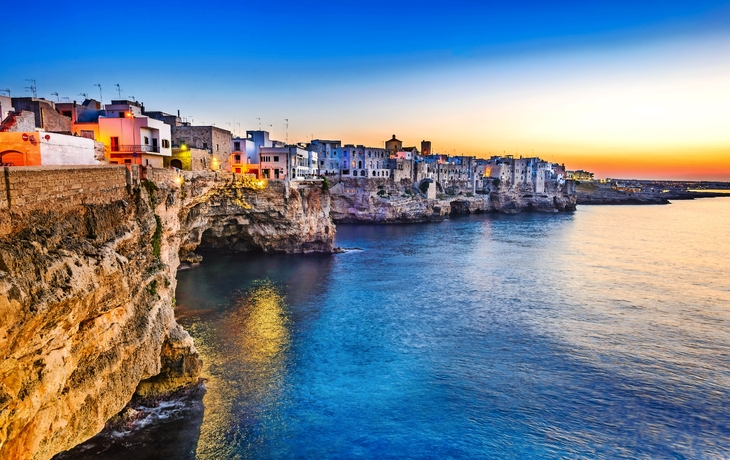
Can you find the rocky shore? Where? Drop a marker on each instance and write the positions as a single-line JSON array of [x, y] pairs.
[[381, 202], [88, 262], [605, 195]]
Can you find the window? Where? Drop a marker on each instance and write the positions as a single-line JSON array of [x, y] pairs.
[[217, 148], [276, 158], [121, 115], [127, 161], [237, 146], [165, 144], [146, 140], [205, 145], [238, 158]]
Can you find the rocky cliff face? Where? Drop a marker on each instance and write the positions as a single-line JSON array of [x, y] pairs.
[[379, 201], [376, 201], [235, 217], [87, 287]]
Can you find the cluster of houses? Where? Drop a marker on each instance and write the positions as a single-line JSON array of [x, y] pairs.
[[35, 132]]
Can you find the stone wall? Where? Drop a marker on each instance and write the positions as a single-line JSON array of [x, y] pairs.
[[48, 187], [46, 116]]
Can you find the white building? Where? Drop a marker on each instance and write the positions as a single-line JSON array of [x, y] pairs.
[[131, 137], [6, 106], [289, 163]]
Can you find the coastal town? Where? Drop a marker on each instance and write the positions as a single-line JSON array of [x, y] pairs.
[[39, 132]]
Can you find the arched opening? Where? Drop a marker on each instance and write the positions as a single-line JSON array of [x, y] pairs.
[[362, 173], [176, 163], [12, 158], [359, 165]]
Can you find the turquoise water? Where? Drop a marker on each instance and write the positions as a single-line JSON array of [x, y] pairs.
[[599, 334]]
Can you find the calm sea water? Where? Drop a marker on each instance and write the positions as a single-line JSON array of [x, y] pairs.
[[599, 334]]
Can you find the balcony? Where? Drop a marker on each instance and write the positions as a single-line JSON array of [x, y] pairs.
[[134, 148]]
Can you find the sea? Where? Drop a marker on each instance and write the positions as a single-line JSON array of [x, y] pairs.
[[603, 333]]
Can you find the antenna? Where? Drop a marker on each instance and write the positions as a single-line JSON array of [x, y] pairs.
[[6, 91], [68, 99], [32, 88], [86, 95], [259, 119], [287, 130], [101, 98], [119, 90], [58, 99], [132, 98]]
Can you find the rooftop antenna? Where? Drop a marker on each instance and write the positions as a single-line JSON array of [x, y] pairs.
[[287, 130], [32, 88], [119, 90], [239, 127], [259, 119], [132, 98], [7, 91], [67, 99], [86, 95], [58, 98], [101, 98]]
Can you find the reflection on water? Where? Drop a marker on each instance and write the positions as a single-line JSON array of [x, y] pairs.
[[244, 352], [599, 334]]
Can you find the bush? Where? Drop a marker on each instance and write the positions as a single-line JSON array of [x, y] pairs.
[[157, 238], [325, 183], [424, 187], [382, 193], [496, 182]]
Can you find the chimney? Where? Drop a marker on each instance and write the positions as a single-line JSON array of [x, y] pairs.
[[178, 113]]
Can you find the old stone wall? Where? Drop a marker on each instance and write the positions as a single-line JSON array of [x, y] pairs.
[[49, 187], [46, 116]]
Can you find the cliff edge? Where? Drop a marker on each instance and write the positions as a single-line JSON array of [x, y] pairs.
[[88, 257]]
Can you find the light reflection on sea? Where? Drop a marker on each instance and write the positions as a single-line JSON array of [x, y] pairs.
[[599, 334]]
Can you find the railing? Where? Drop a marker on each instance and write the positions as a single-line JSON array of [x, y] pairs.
[[135, 148]]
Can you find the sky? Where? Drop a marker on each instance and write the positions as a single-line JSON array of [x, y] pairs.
[[621, 88]]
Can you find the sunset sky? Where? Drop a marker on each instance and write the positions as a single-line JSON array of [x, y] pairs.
[[624, 89]]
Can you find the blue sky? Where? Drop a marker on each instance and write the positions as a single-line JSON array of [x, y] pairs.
[[361, 71]]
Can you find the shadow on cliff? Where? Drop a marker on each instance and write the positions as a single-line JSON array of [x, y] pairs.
[[169, 431]]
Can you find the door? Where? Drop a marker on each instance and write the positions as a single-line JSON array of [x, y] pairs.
[[114, 141], [154, 145]]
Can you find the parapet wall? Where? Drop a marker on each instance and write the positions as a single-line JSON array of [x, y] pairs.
[[49, 187]]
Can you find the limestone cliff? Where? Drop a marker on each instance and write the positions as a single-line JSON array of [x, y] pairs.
[[380, 201], [88, 258], [377, 201]]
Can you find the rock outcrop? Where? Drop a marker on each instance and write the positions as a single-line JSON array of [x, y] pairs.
[[594, 194], [375, 201], [379, 201], [88, 258]]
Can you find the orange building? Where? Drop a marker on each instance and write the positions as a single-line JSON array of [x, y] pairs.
[[39, 148]]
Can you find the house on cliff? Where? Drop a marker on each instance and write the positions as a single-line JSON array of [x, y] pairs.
[[290, 163], [129, 136]]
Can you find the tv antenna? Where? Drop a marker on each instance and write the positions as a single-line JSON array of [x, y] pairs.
[[86, 95], [6, 91], [32, 88], [132, 98], [58, 98], [259, 119], [119, 90], [101, 98], [287, 130]]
